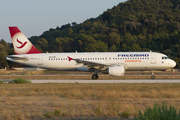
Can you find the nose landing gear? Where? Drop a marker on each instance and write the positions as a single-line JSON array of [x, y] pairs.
[[152, 75]]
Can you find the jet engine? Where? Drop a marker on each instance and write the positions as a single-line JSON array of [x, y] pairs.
[[116, 71]]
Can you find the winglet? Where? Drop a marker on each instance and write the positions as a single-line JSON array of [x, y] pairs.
[[70, 58]]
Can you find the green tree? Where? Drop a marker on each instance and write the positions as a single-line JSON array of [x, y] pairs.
[[70, 31], [136, 48], [113, 39], [80, 44], [43, 43], [3, 42], [3, 62], [112, 48], [58, 45]]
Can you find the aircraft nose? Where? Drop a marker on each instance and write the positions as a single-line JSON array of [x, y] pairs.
[[173, 63]]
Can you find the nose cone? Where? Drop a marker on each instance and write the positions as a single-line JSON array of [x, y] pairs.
[[173, 63]]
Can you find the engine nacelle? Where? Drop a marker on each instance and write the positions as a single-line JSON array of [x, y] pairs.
[[116, 71]]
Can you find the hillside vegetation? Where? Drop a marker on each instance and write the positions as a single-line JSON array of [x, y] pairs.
[[135, 25]]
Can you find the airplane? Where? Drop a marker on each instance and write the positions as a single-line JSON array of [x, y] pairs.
[[112, 63]]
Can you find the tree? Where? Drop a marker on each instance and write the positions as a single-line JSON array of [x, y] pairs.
[[43, 43], [74, 24], [58, 45], [3, 62], [112, 48], [70, 31], [3, 42], [80, 44], [136, 48], [113, 39]]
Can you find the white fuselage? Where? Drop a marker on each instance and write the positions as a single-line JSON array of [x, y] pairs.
[[131, 60]]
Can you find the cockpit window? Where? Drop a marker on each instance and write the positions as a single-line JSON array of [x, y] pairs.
[[165, 57]]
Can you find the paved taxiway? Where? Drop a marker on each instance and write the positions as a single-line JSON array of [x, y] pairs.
[[104, 81]]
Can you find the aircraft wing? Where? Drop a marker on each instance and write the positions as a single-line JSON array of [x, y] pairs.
[[90, 64]]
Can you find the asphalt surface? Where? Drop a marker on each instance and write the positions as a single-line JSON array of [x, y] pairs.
[[103, 81]]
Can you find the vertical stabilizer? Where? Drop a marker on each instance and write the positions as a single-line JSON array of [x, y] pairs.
[[20, 43]]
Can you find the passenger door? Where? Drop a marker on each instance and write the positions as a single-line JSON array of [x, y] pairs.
[[40, 60], [153, 58]]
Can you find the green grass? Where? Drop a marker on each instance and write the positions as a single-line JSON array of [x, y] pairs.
[[98, 111], [125, 114], [159, 113], [20, 81]]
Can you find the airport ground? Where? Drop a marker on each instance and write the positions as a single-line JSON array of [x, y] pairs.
[[85, 75], [35, 101]]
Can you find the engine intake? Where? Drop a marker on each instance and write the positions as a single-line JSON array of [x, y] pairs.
[[116, 71]]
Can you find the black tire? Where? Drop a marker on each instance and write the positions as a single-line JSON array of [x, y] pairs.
[[94, 76], [152, 77]]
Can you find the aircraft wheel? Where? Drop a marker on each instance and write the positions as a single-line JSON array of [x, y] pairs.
[[152, 77], [94, 76]]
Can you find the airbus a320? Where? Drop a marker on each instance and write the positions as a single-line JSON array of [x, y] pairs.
[[112, 63]]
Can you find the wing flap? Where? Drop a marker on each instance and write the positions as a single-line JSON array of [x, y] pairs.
[[90, 64]]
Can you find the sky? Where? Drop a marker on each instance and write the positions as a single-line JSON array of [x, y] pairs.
[[33, 17]]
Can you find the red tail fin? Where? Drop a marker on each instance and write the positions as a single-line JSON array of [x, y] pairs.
[[20, 43]]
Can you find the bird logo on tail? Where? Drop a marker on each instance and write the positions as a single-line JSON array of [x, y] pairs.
[[22, 44]]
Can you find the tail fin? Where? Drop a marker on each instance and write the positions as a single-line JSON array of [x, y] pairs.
[[20, 43]]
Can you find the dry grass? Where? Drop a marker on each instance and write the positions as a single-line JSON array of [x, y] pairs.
[[101, 77], [32, 101], [84, 75]]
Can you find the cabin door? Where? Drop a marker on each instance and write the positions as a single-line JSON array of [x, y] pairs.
[[40, 60], [153, 59]]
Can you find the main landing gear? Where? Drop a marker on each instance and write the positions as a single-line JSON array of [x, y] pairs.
[[95, 76], [152, 75]]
